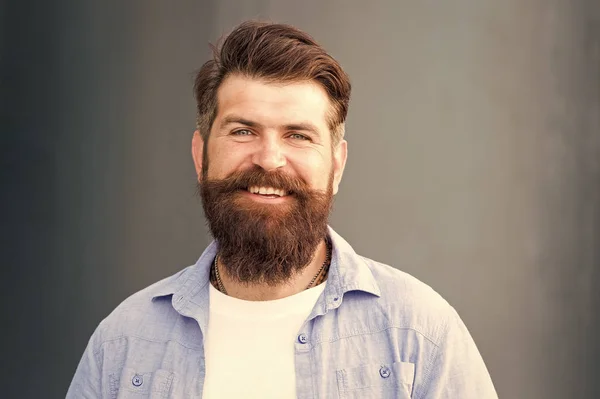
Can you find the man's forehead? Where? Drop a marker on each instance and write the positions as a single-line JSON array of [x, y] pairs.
[[298, 103], [236, 89]]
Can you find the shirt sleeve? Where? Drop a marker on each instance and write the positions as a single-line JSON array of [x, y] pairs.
[[457, 370], [87, 382]]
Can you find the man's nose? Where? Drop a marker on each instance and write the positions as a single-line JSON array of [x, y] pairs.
[[269, 155]]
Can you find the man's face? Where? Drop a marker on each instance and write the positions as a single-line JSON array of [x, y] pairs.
[[267, 175], [276, 126]]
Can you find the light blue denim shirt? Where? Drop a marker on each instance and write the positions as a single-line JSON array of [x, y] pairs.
[[375, 332]]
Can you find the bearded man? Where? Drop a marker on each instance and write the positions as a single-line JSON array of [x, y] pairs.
[[279, 305]]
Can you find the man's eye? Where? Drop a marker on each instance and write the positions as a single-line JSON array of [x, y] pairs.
[[242, 132], [298, 136]]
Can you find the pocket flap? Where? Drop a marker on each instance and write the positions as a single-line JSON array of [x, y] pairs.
[[142, 383], [376, 375]]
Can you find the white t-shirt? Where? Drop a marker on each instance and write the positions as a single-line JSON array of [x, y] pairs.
[[249, 345]]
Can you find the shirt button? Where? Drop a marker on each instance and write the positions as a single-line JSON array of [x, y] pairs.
[[137, 380], [302, 338], [384, 371]]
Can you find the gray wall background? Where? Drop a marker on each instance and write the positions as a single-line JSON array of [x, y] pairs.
[[474, 140]]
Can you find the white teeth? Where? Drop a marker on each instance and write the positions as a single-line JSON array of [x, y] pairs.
[[266, 191]]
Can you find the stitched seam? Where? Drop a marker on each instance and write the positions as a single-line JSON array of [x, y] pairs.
[[97, 358], [164, 386], [427, 373], [376, 386], [143, 339], [340, 380], [167, 386], [375, 332], [310, 365], [114, 386]]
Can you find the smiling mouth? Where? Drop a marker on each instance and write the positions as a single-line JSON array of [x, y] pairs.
[[268, 192]]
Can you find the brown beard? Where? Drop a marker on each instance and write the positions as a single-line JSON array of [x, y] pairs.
[[265, 243]]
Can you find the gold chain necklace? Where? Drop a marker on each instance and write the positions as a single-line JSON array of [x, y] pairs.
[[326, 262]]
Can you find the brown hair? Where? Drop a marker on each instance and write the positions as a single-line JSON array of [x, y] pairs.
[[274, 53]]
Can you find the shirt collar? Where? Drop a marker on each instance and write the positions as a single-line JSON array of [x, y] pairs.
[[348, 272]]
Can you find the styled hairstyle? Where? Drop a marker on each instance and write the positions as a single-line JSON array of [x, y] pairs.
[[272, 53]]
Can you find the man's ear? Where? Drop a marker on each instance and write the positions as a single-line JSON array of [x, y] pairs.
[[340, 154], [197, 153]]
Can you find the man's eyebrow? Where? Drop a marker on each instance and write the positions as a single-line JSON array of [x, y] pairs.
[[304, 126], [231, 119], [301, 126]]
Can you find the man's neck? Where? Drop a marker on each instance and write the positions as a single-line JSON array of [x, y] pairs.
[[265, 292]]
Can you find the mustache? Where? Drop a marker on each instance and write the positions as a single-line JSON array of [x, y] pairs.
[[256, 176]]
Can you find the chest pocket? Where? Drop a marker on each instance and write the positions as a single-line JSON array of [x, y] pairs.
[[134, 384], [377, 381]]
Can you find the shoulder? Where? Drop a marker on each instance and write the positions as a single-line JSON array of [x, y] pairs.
[[139, 313], [397, 285], [405, 302]]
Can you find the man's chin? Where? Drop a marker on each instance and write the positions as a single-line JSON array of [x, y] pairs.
[[269, 222]]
